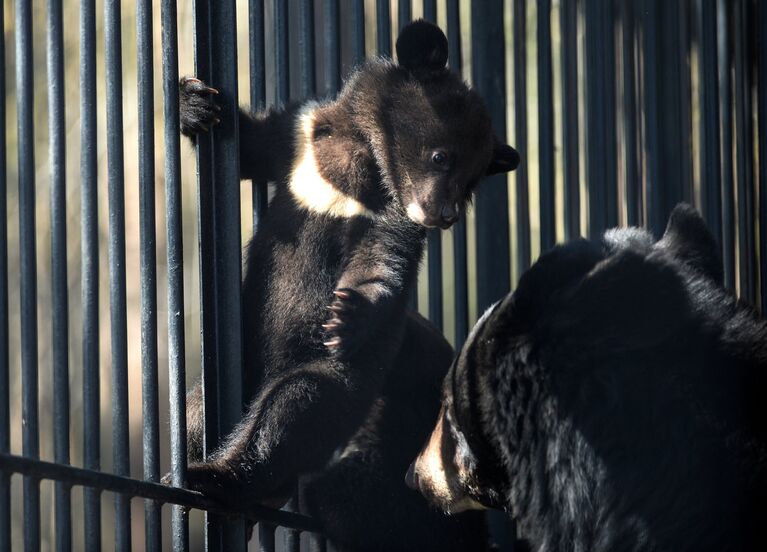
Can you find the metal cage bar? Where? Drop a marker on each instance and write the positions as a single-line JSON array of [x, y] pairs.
[[404, 13], [225, 180], [545, 126], [762, 91], [492, 232], [725, 95], [434, 236], [332, 50], [28, 268], [173, 221], [631, 153], [710, 165], [383, 28], [117, 284], [306, 49], [460, 253], [59, 291], [148, 253], [744, 149], [520, 135], [5, 399], [90, 270], [568, 17], [357, 38]]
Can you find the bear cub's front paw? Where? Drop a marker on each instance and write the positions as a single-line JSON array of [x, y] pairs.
[[349, 325], [198, 111]]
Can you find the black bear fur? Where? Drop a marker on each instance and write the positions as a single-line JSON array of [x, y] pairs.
[[361, 498], [613, 402]]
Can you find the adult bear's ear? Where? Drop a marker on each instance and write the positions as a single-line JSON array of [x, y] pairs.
[[629, 301], [422, 47], [688, 239], [505, 158]]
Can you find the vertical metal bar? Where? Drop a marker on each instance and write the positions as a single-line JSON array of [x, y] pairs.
[[460, 264], [317, 543], [595, 115], [630, 128], [728, 190], [257, 54], [430, 10], [306, 49], [265, 537], [117, 300], [383, 28], [665, 121], [332, 52], [434, 236], [90, 269], [744, 153], [292, 542], [59, 291], [176, 359], [609, 132], [710, 165], [545, 126], [651, 53], [600, 113], [203, 53], [150, 399], [28, 267], [357, 16], [404, 13], [683, 82], [568, 17], [258, 86], [492, 200], [435, 276], [226, 178], [5, 410], [762, 91], [520, 134], [281, 46]]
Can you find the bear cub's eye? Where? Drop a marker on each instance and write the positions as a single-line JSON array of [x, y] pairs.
[[439, 158]]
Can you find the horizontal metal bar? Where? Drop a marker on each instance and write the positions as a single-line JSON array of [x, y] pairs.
[[40, 469]]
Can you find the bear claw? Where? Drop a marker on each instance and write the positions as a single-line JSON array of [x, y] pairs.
[[346, 328]]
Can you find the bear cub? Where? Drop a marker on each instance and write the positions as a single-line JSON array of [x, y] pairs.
[[358, 180]]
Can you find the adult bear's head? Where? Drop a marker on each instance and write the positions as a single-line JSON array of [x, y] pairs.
[[429, 133], [549, 351]]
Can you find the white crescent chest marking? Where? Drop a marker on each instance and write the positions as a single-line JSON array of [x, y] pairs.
[[309, 189]]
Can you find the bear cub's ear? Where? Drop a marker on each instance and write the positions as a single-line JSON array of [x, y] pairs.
[[422, 47], [505, 158]]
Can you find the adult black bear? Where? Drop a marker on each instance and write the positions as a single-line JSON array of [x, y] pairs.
[[614, 401], [358, 180]]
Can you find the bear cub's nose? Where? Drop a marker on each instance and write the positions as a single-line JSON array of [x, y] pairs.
[[448, 215]]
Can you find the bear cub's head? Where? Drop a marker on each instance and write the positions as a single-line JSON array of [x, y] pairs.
[[427, 134]]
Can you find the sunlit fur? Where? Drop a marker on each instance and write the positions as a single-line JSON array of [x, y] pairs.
[[309, 188]]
